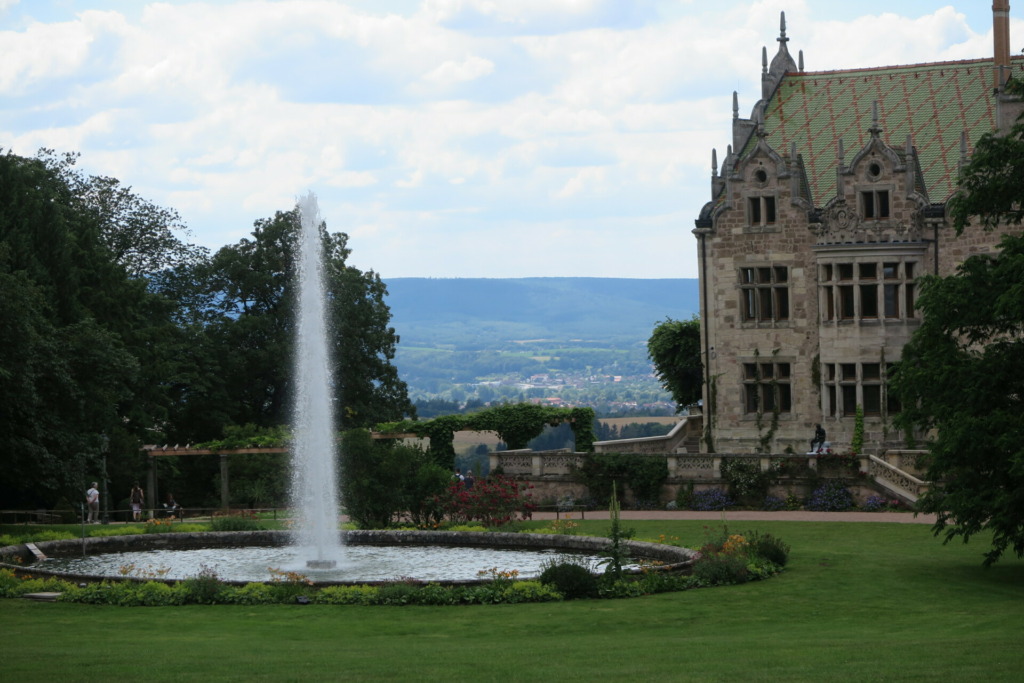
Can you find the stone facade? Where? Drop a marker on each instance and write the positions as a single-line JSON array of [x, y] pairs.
[[829, 205]]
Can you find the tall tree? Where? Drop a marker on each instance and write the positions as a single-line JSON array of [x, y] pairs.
[[674, 348], [252, 285], [962, 373], [67, 367]]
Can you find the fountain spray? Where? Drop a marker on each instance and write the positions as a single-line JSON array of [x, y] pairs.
[[314, 477]]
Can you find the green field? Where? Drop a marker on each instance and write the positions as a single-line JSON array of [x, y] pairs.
[[863, 602]]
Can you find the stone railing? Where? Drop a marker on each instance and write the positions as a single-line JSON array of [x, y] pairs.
[[896, 480], [913, 462], [683, 438], [527, 464]]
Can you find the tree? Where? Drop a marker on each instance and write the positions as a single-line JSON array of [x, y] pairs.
[[674, 348], [250, 284], [962, 373], [74, 336]]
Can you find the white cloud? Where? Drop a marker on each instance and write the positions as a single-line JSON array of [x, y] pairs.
[[458, 71], [460, 137]]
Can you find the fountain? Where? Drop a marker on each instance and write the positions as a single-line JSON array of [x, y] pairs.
[[376, 555], [314, 477]]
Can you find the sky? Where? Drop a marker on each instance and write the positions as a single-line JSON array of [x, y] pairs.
[[447, 138]]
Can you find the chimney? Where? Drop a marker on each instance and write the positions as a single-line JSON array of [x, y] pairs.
[[1001, 39]]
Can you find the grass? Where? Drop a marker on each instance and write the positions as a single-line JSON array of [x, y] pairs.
[[858, 602]]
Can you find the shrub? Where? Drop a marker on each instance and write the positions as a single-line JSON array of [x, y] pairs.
[[156, 594], [235, 524], [12, 586], [720, 569], [249, 594], [768, 547], [644, 476], [832, 496], [397, 593], [125, 530], [571, 580], [773, 503], [684, 497], [530, 591], [710, 499], [747, 483], [435, 594], [347, 595], [203, 587], [52, 536], [495, 502]]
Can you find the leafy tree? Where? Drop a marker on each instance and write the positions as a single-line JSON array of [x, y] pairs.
[[247, 309], [76, 330], [382, 479], [674, 348], [962, 373]]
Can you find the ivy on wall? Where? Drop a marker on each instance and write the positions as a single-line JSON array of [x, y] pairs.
[[602, 473], [515, 424]]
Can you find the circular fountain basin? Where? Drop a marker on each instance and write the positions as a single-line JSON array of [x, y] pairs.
[[369, 556]]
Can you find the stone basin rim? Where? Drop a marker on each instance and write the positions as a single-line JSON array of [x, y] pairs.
[[673, 558]]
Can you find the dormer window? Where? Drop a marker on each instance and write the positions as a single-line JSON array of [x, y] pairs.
[[874, 204], [761, 210]]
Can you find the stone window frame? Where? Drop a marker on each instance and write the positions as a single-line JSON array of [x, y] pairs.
[[868, 289], [766, 384], [764, 293], [874, 202], [762, 210], [849, 384]]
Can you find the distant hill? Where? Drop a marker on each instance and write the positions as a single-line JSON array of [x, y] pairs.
[[478, 312]]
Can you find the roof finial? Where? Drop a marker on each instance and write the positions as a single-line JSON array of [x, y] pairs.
[[782, 28], [714, 162], [840, 153], [760, 123], [764, 60], [875, 128], [800, 65], [735, 105]]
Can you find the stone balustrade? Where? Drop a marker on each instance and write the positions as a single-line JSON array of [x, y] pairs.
[[527, 464]]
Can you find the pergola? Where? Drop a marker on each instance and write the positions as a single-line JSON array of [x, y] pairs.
[[155, 452]]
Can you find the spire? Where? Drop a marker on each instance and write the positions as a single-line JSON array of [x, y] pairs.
[[782, 62], [875, 129]]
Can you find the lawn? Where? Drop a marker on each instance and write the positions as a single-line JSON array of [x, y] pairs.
[[857, 602]]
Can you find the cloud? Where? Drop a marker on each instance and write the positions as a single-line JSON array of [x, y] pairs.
[[458, 71], [449, 137]]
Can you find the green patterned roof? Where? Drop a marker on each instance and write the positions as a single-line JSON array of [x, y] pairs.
[[934, 103]]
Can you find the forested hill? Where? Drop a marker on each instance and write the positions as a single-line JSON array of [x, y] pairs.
[[468, 311]]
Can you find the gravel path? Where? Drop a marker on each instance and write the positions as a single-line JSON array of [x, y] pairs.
[[751, 515]]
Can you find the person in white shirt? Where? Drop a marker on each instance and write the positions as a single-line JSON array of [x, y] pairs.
[[92, 499]]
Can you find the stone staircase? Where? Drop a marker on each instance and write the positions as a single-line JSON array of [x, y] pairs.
[[900, 472]]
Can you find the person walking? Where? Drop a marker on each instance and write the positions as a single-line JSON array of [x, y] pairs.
[[136, 498], [92, 499]]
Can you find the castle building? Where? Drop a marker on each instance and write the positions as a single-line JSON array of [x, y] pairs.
[[829, 204]]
